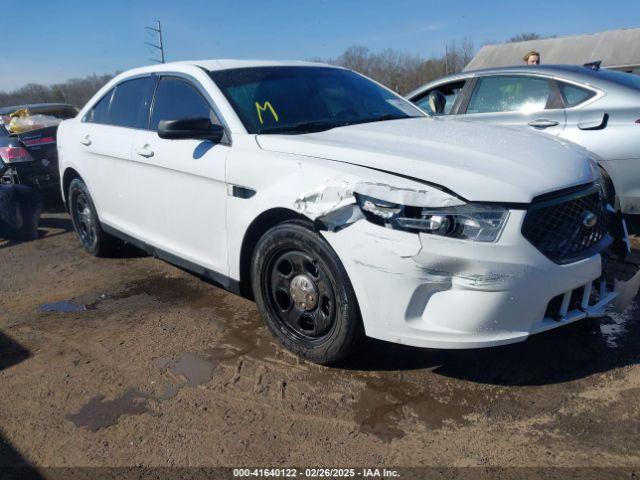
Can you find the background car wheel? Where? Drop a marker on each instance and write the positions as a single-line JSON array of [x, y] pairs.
[[86, 223], [304, 294]]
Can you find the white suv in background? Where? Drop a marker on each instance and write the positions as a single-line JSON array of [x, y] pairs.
[[339, 206]]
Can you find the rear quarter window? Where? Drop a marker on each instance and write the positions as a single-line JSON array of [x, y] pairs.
[[98, 113], [573, 95]]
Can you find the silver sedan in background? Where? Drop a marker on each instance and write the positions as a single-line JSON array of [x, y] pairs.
[[598, 109]]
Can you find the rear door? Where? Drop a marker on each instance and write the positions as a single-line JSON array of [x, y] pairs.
[[105, 138], [527, 101], [180, 202]]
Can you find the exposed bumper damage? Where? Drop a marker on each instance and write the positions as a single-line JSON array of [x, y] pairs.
[[433, 291]]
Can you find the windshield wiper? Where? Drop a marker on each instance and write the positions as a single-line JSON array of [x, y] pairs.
[[302, 127], [385, 117]]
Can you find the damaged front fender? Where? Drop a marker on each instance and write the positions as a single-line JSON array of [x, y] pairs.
[[333, 205]]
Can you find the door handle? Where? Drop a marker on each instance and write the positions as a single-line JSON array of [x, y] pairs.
[[86, 140], [144, 151], [542, 123]]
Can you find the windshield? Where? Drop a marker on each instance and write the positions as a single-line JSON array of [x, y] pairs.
[[307, 99]]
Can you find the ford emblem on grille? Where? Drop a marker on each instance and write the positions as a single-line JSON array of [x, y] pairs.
[[589, 219]]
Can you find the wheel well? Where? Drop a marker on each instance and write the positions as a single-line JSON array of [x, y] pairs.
[[256, 230], [610, 189], [67, 178]]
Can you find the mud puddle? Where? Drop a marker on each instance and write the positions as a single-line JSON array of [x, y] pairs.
[[191, 368], [385, 403], [188, 368], [64, 306], [100, 413], [165, 289], [161, 288]]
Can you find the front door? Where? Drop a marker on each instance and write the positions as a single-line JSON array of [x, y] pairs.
[[180, 204]]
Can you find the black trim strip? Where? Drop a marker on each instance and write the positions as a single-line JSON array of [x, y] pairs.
[[570, 192], [242, 192], [217, 278]]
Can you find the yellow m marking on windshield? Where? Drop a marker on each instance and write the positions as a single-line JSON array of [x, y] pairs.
[[263, 108]]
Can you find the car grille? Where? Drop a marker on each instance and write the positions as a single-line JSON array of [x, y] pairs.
[[559, 226]]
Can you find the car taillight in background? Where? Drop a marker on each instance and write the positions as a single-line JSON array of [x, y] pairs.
[[14, 155]]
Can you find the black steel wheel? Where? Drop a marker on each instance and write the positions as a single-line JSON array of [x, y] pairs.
[[304, 294], [86, 222], [301, 294]]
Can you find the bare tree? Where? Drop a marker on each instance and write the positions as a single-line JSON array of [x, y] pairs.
[[524, 37], [76, 91], [401, 71]]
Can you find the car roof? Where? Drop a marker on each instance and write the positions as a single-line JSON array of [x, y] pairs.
[[576, 73], [35, 107], [224, 64], [549, 68], [214, 64]]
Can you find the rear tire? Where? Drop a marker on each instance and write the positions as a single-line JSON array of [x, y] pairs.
[[304, 294], [86, 222]]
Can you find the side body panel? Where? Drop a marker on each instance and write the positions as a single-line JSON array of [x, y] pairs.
[[179, 198], [616, 143]]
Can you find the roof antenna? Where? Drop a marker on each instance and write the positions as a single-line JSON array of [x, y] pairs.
[[593, 65]]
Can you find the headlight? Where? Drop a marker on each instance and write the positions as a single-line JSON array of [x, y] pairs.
[[482, 223]]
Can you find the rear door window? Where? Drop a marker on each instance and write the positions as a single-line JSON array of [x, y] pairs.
[[129, 105], [510, 94], [451, 92], [573, 95], [177, 99]]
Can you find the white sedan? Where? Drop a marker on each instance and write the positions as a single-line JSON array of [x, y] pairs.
[[339, 206]]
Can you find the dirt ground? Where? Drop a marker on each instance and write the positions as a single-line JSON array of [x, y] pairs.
[[130, 361]]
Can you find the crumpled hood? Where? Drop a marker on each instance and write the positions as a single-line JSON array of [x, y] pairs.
[[478, 162]]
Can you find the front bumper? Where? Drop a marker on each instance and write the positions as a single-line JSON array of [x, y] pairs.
[[438, 292]]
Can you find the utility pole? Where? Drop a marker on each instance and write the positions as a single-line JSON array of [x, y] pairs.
[[158, 46], [446, 59]]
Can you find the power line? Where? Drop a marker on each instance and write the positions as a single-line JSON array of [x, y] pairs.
[[159, 46]]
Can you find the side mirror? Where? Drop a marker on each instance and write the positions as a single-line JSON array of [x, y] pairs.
[[190, 128], [437, 102]]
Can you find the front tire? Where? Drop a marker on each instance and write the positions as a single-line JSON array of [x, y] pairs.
[[304, 294], [86, 222]]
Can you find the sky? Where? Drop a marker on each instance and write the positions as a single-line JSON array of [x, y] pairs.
[[50, 41]]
